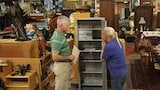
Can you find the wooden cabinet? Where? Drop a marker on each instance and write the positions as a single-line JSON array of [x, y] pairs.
[[158, 20], [107, 10], [146, 12]]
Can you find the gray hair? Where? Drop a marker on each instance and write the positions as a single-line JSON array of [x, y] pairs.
[[62, 20]]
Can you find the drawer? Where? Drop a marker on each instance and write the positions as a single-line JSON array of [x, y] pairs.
[[85, 32], [92, 67], [92, 44], [92, 79], [92, 88], [85, 37], [90, 56]]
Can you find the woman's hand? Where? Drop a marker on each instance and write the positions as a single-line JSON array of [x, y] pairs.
[[103, 46]]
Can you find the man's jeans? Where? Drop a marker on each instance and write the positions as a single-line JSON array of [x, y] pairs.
[[118, 82]]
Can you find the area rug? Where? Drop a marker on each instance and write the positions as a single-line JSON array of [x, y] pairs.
[[144, 77], [130, 49]]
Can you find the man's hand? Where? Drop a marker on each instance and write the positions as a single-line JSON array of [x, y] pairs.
[[71, 57]]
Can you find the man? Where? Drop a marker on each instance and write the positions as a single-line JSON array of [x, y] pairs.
[[113, 54], [61, 54]]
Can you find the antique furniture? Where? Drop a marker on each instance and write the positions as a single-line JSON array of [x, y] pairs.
[[107, 10], [146, 12]]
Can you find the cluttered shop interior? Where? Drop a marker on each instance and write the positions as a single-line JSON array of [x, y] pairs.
[[79, 44]]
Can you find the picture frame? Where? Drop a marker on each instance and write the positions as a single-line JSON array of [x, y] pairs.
[[135, 3], [157, 6]]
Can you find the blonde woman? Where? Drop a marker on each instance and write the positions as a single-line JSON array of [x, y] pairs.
[[113, 55]]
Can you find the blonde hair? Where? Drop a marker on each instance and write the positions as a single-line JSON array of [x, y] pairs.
[[109, 31], [62, 20]]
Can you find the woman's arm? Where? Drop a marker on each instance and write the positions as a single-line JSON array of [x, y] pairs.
[[102, 51]]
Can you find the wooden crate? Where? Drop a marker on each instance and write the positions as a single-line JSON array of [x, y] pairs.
[[17, 82]]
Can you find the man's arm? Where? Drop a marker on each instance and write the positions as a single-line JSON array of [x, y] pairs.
[[57, 57]]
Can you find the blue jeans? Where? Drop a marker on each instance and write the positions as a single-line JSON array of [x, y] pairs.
[[118, 82]]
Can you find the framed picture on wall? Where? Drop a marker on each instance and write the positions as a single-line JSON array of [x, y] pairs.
[[157, 6], [135, 3]]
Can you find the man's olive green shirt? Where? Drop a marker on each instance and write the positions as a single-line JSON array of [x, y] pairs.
[[59, 43]]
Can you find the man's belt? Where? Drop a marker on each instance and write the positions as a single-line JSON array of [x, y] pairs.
[[63, 61]]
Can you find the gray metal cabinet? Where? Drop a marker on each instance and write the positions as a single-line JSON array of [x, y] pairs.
[[92, 72]]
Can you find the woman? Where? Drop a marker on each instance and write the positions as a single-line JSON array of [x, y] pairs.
[[113, 54]]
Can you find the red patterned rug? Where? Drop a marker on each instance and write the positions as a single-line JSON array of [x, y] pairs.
[[144, 77], [129, 49]]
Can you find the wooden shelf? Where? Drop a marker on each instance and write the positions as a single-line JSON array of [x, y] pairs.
[[81, 29], [90, 51], [18, 84], [45, 81], [90, 40], [20, 76], [89, 72], [92, 61], [47, 63], [27, 82], [92, 85], [48, 54]]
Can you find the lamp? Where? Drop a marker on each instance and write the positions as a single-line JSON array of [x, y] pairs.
[[131, 23], [142, 24], [142, 21]]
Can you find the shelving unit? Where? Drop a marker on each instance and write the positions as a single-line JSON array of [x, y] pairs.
[[46, 80], [37, 64], [92, 71], [28, 53]]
